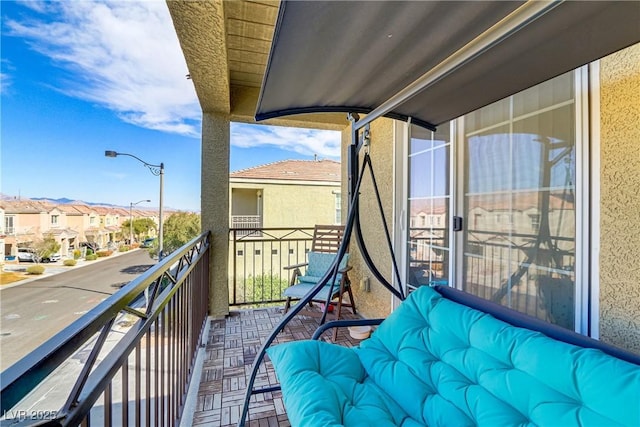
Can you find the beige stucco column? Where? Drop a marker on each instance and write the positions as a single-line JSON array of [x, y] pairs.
[[620, 198], [376, 302], [215, 206]]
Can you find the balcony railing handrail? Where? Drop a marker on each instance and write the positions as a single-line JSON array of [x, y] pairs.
[[22, 377], [253, 232]]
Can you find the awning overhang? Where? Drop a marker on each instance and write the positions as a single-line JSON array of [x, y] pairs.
[[337, 56]]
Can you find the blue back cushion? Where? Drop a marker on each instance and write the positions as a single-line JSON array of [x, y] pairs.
[[447, 364], [319, 264]]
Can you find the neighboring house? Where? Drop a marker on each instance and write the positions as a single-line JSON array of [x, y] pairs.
[[91, 228], [23, 222], [544, 182], [29, 221], [77, 221], [59, 229], [288, 193], [109, 226]]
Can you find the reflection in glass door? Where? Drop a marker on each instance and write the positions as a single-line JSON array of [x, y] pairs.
[[519, 202], [429, 194]]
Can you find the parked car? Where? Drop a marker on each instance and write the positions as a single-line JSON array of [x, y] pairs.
[[26, 255], [51, 258], [147, 243]]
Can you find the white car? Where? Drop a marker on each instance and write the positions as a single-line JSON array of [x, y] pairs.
[[26, 255], [51, 258]]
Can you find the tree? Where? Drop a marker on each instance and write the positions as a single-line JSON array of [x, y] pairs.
[[141, 227], [45, 247], [179, 228]]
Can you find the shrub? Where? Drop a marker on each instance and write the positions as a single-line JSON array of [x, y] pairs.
[[104, 253], [35, 269], [70, 262], [123, 248], [77, 254], [135, 245], [91, 257], [264, 287]]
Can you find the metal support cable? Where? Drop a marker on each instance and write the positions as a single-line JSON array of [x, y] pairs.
[[384, 223]]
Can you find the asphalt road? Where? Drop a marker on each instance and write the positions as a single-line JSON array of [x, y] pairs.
[[34, 312]]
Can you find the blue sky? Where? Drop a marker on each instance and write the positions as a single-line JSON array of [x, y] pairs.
[[82, 77]]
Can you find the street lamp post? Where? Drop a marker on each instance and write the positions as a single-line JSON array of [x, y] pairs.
[[131, 205], [157, 170]]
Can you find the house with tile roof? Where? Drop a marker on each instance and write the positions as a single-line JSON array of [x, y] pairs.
[[26, 221], [288, 193]]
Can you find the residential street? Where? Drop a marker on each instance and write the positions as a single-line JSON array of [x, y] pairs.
[[34, 312]]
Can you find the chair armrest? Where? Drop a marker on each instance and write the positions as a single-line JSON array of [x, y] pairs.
[[343, 323], [291, 267]]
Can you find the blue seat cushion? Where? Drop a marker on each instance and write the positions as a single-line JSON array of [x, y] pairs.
[[300, 290], [325, 385], [434, 362], [319, 264]]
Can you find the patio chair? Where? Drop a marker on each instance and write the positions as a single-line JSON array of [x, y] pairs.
[[324, 247]]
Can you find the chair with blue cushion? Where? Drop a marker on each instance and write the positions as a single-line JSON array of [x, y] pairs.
[[325, 244]]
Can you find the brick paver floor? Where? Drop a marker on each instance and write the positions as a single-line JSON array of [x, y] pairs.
[[231, 349]]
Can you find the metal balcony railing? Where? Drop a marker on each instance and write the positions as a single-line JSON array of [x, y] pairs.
[[127, 361], [257, 260], [244, 223]]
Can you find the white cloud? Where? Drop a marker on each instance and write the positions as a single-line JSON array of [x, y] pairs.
[[299, 140], [5, 82], [37, 5], [115, 176], [123, 55], [5, 76]]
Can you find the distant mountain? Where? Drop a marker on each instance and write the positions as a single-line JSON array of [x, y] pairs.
[[66, 201]]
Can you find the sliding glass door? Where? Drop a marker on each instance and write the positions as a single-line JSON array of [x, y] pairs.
[[519, 174], [514, 187]]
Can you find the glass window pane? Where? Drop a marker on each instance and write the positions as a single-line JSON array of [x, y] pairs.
[[428, 241], [548, 94], [519, 243], [428, 231], [487, 117]]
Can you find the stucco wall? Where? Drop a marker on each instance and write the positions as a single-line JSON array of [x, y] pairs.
[[292, 205], [297, 205], [215, 206], [620, 199], [377, 302]]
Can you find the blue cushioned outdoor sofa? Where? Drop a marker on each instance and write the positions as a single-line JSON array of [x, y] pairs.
[[438, 362]]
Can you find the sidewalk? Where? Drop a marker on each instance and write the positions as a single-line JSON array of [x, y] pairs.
[[53, 268]]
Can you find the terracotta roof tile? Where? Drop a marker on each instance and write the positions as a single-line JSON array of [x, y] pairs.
[[69, 209], [293, 170], [26, 206]]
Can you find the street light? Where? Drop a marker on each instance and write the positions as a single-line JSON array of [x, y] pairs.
[[157, 170], [131, 205]]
